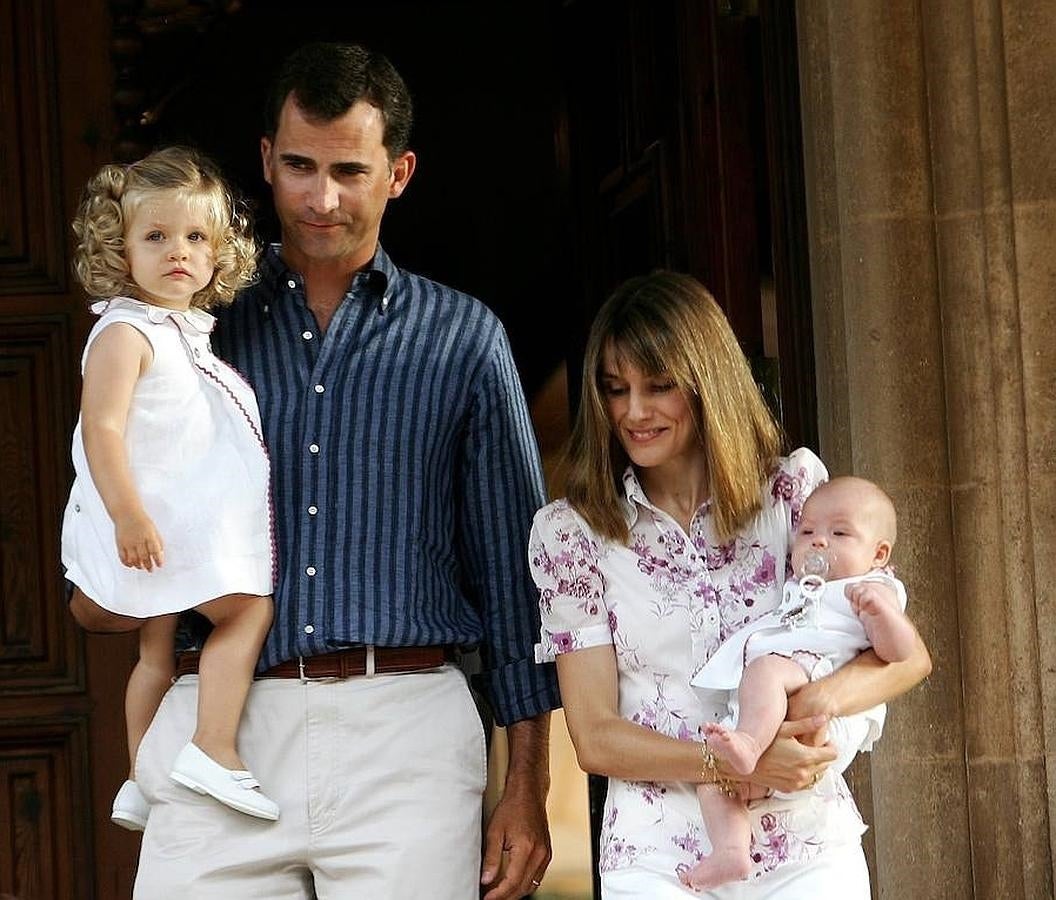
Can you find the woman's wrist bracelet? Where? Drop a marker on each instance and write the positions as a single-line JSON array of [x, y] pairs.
[[709, 771]]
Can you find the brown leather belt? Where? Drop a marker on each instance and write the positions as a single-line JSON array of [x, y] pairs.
[[343, 663]]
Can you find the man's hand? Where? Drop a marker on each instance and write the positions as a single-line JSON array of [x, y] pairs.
[[516, 847], [517, 842]]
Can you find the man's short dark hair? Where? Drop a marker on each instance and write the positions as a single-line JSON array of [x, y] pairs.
[[327, 79]]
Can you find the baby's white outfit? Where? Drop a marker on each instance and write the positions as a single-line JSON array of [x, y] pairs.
[[820, 634], [197, 456]]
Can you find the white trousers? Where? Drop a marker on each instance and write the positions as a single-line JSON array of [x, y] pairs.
[[379, 781], [836, 874]]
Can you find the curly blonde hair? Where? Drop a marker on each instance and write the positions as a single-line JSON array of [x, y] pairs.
[[114, 193], [667, 323]]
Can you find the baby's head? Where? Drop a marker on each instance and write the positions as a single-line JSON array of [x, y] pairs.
[[851, 522], [175, 176]]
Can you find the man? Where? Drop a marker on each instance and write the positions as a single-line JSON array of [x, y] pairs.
[[405, 477]]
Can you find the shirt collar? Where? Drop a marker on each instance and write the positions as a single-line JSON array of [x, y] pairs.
[[198, 319], [382, 275], [635, 498]]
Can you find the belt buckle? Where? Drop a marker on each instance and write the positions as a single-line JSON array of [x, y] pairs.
[[304, 678], [369, 665]]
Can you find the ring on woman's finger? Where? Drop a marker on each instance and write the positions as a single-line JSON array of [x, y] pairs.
[[815, 779]]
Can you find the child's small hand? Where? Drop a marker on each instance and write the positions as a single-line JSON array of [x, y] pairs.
[[871, 598], [138, 542]]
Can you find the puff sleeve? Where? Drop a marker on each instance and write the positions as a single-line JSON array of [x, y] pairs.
[[563, 556]]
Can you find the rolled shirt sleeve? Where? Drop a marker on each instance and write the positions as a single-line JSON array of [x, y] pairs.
[[502, 487]]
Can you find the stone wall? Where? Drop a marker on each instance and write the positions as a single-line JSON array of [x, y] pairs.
[[930, 143]]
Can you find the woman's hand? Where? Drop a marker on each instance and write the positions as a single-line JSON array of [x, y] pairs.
[[789, 763], [138, 542]]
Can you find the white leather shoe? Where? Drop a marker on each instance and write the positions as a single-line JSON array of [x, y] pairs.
[[236, 788], [130, 808]]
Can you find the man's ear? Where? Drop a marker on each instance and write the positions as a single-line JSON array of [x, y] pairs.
[[882, 556], [265, 157], [402, 170]]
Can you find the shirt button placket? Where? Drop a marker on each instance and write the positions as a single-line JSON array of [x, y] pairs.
[[316, 411]]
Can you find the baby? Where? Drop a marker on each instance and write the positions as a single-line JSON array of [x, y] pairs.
[[843, 603]]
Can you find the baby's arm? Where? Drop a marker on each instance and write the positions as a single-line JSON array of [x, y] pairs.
[[116, 359], [892, 634]]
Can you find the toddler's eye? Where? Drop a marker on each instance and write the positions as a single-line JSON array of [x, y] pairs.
[[196, 236], [155, 236]]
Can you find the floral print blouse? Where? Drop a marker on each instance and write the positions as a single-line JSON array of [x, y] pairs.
[[665, 603]]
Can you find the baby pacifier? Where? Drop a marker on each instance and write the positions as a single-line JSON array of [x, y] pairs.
[[813, 571]]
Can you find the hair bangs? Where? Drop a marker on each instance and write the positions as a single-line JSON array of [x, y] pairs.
[[648, 344]]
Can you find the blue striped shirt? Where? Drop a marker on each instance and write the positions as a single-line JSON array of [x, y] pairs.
[[405, 472]]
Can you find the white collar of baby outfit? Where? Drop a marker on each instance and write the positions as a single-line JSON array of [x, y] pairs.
[[198, 319]]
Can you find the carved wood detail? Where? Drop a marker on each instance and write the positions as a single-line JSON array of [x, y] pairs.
[[32, 245], [44, 832], [39, 650]]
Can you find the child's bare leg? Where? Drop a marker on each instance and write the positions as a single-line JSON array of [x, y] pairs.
[[763, 698], [726, 820], [225, 671], [150, 679], [92, 617]]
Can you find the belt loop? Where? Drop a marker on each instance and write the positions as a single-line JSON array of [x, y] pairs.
[[369, 661], [300, 670]]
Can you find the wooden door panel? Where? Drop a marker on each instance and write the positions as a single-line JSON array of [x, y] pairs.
[[44, 799], [31, 215], [38, 649], [62, 750]]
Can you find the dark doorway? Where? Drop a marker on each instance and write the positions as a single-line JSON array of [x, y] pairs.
[[482, 213]]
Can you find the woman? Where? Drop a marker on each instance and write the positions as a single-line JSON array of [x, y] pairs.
[[674, 534]]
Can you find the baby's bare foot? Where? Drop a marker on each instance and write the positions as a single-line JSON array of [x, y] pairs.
[[738, 748], [721, 867]]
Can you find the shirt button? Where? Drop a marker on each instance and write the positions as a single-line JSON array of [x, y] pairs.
[[313, 448], [310, 570], [307, 335], [312, 510], [319, 389], [385, 302], [291, 283], [309, 629]]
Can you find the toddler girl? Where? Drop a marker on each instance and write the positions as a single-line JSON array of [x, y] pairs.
[[170, 507]]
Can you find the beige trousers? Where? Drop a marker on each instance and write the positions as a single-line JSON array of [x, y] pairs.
[[379, 781]]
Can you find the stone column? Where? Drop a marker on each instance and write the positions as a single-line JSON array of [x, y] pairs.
[[929, 132]]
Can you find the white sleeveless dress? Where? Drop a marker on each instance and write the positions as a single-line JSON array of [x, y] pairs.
[[198, 460]]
